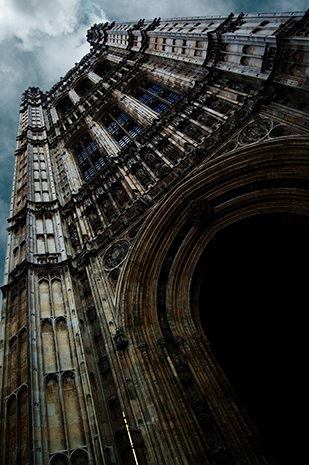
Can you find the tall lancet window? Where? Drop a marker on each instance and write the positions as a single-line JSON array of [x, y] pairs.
[[155, 96], [121, 126], [88, 157]]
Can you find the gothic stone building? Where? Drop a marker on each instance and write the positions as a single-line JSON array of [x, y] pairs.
[[158, 250]]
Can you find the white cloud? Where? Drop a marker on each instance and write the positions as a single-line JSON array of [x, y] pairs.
[[60, 55], [30, 20], [55, 30]]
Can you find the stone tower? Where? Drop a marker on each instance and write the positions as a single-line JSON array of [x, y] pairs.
[[160, 204]]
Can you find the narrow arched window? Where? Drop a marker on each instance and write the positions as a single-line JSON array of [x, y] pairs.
[[88, 157], [155, 96], [121, 126]]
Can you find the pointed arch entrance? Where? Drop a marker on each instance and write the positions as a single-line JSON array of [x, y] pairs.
[[252, 285], [164, 285]]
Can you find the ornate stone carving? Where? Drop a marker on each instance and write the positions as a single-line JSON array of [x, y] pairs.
[[131, 389], [104, 366], [229, 106], [184, 374], [167, 334], [118, 191], [120, 340], [192, 131], [115, 255], [255, 131], [91, 314], [199, 211], [143, 347], [269, 58], [109, 210], [178, 340], [203, 415], [74, 236], [94, 219], [170, 151], [97, 336], [161, 298], [152, 160]]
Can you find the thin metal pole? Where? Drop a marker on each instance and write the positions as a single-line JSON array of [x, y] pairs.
[[130, 438]]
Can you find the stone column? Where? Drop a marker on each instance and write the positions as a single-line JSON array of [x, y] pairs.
[[54, 114], [133, 107], [103, 139], [93, 77], [170, 79], [73, 96], [72, 172]]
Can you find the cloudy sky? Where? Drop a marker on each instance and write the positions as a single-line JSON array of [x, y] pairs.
[[40, 40]]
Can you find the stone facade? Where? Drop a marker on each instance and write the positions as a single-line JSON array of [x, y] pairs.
[[166, 135]]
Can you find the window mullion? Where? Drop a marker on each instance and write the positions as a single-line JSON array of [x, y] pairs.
[[146, 91], [87, 155], [156, 96], [121, 127], [114, 121], [87, 172]]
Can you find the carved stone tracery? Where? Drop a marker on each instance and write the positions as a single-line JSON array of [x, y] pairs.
[[255, 131], [115, 255], [199, 211]]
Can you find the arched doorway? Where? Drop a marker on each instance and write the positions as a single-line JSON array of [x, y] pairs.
[[253, 300], [183, 282]]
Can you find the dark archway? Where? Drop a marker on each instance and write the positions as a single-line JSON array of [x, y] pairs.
[[253, 305]]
